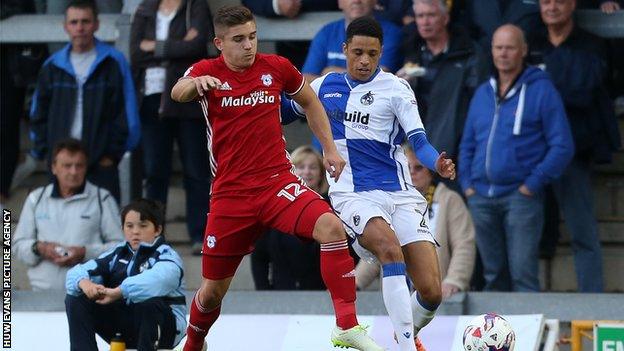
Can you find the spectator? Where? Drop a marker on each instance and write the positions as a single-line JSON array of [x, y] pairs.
[[452, 226], [66, 222], [576, 62], [606, 6], [615, 50], [516, 140], [19, 64], [295, 51], [444, 67], [166, 38], [294, 263], [57, 7], [453, 8], [85, 91], [483, 17], [392, 10], [326, 54], [288, 8], [135, 289]]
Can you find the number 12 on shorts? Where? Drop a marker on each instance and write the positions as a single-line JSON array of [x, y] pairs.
[[291, 191]]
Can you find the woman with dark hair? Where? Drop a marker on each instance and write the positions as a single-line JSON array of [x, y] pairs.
[[167, 36]]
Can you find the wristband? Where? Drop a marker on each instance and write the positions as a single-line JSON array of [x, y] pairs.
[[34, 248]]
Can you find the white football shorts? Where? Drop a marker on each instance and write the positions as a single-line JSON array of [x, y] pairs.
[[405, 211]]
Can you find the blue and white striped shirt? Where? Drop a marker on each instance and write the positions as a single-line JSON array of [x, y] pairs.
[[369, 121]]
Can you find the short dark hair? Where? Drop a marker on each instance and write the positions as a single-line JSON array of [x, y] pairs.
[[365, 26], [230, 16], [149, 210], [72, 145], [83, 4]]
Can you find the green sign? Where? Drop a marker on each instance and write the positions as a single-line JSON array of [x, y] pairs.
[[609, 337]]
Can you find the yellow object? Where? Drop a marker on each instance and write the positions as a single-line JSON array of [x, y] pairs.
[[583, 328], [117, 343]]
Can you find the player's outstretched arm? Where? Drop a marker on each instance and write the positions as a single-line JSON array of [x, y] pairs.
[[319, 123], [189, 88]]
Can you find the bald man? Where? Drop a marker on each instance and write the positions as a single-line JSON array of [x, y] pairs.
[[516, 140]]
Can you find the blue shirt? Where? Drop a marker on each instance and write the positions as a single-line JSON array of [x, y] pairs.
[[326, 47]]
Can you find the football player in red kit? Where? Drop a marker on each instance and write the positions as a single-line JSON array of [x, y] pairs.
[[254, 187]]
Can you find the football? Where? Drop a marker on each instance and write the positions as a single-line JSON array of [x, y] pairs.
[[489, 332]]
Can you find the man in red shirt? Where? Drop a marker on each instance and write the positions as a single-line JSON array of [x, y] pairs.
[[254, 187]]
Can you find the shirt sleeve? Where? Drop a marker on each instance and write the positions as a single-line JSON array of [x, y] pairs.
[[293, 107], [96, 270], [198, 69], [405, 108], [293, 79], [425, 152], [25, 234]]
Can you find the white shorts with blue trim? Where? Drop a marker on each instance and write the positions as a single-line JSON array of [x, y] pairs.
[[405, 211]]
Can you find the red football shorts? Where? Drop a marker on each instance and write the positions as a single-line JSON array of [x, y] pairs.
[[237, 220]]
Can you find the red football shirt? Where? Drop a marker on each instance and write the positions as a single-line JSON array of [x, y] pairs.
[[245, 137]]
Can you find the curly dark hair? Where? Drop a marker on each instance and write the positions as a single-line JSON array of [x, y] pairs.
[[365, 26]]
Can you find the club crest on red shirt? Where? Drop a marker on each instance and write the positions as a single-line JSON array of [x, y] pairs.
[[267, 79]]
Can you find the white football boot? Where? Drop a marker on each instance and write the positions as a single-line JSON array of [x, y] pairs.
[[356, 338]]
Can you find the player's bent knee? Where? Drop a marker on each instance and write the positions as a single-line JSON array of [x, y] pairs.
[[379, 239], [388, 252], [328, 228], [431, 293], [385, 249], [212, 292]]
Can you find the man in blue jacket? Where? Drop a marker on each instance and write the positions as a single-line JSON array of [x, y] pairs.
[[85, 91], [516, 140]]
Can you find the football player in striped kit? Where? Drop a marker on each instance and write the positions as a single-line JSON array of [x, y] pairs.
[[371, 113]]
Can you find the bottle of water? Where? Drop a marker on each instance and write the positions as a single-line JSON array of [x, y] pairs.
[[117, 343]]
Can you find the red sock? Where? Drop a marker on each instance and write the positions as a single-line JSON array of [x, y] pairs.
[[199, 323], [338, 273]]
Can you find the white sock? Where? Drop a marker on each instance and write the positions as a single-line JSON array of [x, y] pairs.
[[397, 300], [422, 315]]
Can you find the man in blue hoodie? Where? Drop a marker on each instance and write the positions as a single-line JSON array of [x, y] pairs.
[[516, 140], [85, 91]]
